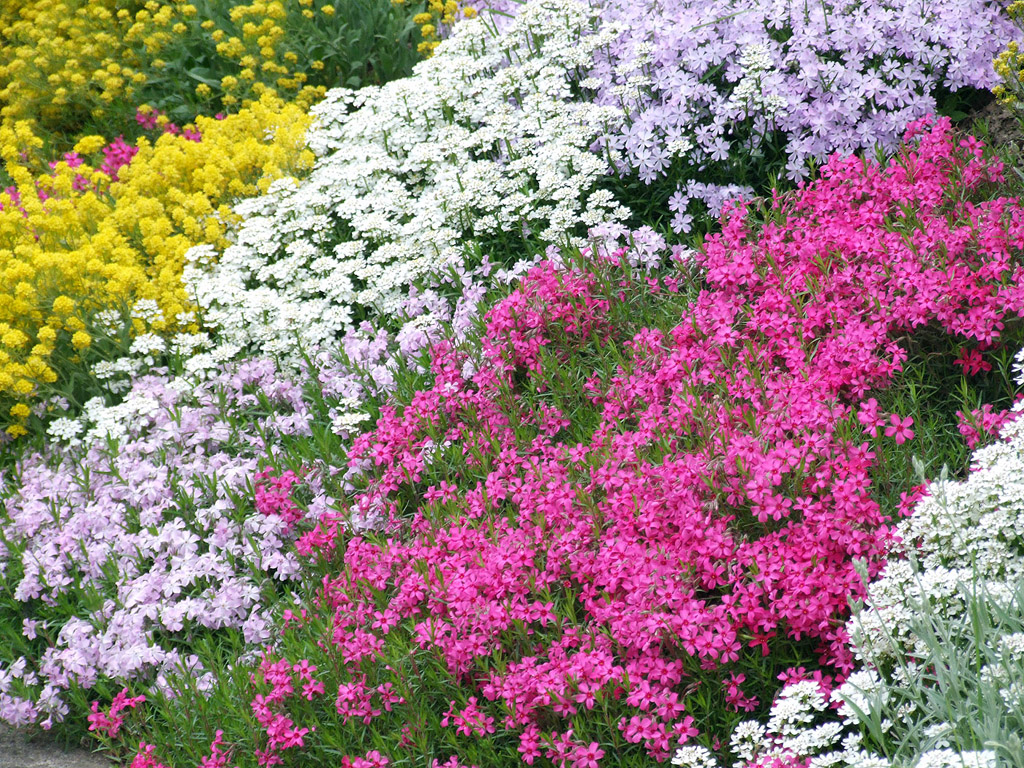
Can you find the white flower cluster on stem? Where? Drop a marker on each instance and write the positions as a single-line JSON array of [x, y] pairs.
[[486, 139]]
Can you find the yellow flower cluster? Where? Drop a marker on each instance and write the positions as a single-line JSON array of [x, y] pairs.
[[67, 253], [443, 12], [258, 44], [1009, 65], [64, 61]]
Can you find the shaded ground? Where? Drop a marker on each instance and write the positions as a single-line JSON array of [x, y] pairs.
[[19, 751], [1003, 128]]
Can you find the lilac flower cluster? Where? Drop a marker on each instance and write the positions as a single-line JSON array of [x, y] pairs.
[[150, 523]]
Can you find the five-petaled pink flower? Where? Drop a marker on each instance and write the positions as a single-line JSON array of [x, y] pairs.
[[900, 428]]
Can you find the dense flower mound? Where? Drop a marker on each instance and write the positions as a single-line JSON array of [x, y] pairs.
[[737, 89], [655, 547], [939, 642], [415, 179], [108, 226], [144, 532]]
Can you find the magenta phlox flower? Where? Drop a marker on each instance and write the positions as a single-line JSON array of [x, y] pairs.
[[972, 361], [144, 757], [110, 722], [372, 759], [218, 758], [469, 721], [900, 428]]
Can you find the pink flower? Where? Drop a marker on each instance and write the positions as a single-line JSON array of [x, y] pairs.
[[900, 428], [586, 757], [147, 119], [869, 417], [144, 757], [972, 361], [112, 721]]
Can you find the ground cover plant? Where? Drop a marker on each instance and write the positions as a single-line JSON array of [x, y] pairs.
[[521, 596], [107, 227], [455, 448], [481, 156], [147, 536], [515, 115], [71, 67]]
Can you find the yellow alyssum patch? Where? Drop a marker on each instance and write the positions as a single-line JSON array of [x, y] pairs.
[[64, 63], [67, 253]]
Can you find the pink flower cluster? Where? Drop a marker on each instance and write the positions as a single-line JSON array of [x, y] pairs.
[[281, 731], [715, 512], [116, 155], [149, 120], [218, 757], [982, 424], [144, 757], [273, 496], [110, 722]]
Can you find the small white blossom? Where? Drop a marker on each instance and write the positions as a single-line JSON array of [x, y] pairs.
[[694, 757]]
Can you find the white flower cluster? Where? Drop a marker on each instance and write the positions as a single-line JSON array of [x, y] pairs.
[[489, 136], [795, 732], [135, 413], [750, 93]]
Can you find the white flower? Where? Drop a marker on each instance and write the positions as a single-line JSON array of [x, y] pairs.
[[694, 757], [147, 310], [948, 758], [64, 429], [147, 344]]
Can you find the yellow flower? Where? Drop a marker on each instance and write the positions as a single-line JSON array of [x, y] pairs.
[[21, 411], [89, 144], [327, 10], [86, 252], [14, 339], [63, 305]]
